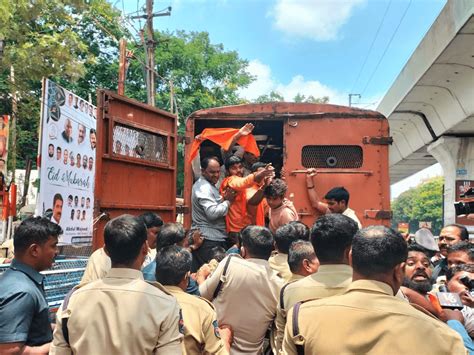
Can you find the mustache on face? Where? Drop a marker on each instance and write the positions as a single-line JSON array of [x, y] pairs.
[[420, 273]]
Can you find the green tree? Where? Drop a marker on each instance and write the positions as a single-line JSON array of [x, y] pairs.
[[55, 39], [273, 96], [421, 203], [311, 99], [203, 75]]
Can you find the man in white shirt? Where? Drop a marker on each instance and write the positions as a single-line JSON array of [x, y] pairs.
[[337, 199]]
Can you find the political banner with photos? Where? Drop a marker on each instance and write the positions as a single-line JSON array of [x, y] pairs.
[[67, 169]]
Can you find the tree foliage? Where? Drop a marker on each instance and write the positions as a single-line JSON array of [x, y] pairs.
[[203, 74], [421, 203], [275, 96], [61, 40]]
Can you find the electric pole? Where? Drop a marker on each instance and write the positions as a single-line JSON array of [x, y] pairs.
[[122, 67], [150, 48], [350, 98], [13, 123]]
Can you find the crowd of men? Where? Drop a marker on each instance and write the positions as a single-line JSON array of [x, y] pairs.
[[247, 278]]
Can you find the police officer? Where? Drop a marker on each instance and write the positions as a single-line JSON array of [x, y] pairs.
[[99, 262], [121, 313], [278, 261], [331, 236], [24, 319], [201, 332], [367, 318], [245, 291]]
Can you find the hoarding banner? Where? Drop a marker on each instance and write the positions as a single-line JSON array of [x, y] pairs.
[[461, 187], [68, 156]]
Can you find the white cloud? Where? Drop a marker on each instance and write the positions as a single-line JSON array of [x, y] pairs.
[[265, 82], [319, 20]]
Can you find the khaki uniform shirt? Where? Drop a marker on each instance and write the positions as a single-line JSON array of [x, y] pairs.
[[247, 300], [99, 264], [119, 314], [97, 267], [368, 319], [295, 277], [201, 332], [351, 214], [328, 281], [279, 262]]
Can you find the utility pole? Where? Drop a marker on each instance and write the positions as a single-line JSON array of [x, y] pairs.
[[122, 67], [350, 98], [150, 48], [150, 54], [13, 123]]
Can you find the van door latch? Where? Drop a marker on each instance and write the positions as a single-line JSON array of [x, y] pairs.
[[377, 140]]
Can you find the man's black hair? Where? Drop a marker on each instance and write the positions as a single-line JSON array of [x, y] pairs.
[[34, 230], [338, 194], [300, 250], [463, 232], [124, 237], [284, 236], [205, 162], [50, 145], [418, 248], [277, 188], [452, 271], [218, 253], [170, 234], [377, 250], [172, 264], [258, 241], [93, 131], [151, 219], [58, 148], [465, 247], [57, 197], [70, 197], [302, 230], [331, 236], [232, 160], [257, 165]]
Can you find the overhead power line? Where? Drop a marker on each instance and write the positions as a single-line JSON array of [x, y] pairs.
[[371, 46], [386, 48]]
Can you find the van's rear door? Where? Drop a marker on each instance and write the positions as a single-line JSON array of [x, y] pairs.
[[345, 152], [136, 161]]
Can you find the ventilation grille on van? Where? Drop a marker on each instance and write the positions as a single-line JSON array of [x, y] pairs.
[[332, 156]]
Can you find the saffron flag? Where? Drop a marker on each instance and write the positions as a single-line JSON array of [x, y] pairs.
[[223, 138]]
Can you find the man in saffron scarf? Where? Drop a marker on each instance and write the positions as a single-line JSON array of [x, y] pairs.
[[237, 216]]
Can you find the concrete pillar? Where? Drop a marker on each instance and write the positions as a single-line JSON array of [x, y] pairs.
[[456, 157]]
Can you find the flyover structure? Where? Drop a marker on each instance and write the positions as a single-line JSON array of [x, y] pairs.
[[430, 106]]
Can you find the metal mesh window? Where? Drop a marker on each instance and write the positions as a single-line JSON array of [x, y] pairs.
[[332, 156], [135, 143]]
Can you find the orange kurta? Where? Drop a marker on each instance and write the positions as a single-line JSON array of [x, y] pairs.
[[256, 213], [237, 216]]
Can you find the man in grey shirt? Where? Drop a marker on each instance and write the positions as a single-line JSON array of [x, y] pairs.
[[209, 209]]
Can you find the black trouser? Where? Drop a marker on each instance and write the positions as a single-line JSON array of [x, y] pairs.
[[204, 254]]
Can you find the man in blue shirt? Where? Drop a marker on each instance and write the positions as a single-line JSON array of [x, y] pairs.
[[24, 312]]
